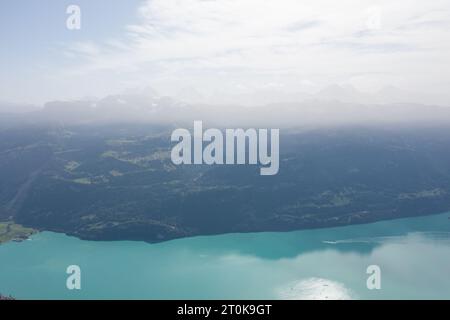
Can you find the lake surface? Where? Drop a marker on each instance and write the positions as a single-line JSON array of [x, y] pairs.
[[413, 254]]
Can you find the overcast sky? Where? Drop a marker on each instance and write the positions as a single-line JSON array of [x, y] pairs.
[[223, 47]]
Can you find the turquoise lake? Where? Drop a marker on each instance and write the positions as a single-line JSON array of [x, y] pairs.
[[413, 255]]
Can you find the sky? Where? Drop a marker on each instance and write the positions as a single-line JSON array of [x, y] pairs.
[[222, 48]]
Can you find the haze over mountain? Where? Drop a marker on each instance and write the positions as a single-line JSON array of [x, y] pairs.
[[16, 108], [335, 105], [277, 94], [101, 169]]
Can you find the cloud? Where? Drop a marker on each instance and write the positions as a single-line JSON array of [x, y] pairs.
[[214, 44]]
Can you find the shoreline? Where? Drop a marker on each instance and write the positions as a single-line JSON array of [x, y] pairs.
[[239, 233]]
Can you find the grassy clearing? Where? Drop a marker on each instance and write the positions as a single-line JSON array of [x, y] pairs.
[[9, 231]]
